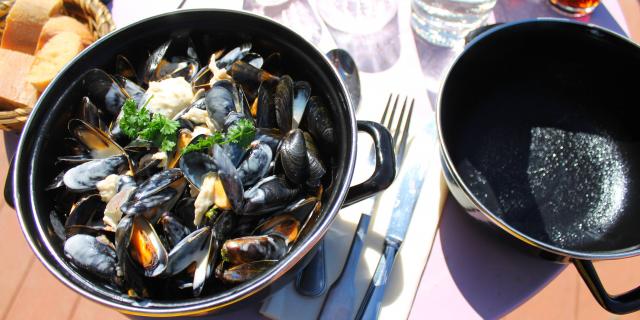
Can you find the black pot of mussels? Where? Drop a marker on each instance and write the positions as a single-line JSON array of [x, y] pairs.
[[189, 161]]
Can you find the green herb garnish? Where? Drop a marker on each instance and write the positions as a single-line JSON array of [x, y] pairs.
[[204, 143], [241, 133], [138, 123], [211, 213]]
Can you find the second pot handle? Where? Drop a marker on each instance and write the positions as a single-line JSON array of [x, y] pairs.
[[385, 170], [8, 185], [618, 304]]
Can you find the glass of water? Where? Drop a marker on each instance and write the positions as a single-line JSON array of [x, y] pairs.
[[446, 22]]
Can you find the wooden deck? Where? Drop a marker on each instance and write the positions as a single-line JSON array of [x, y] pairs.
[[29, 291]]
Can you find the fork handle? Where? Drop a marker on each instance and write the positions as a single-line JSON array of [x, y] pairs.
[[370, 305]]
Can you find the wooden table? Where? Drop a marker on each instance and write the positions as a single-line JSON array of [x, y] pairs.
[[28, 291]]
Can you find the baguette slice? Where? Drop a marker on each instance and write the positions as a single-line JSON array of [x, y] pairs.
[[15, 91], [24, 23], [60, 24], [53, 56]]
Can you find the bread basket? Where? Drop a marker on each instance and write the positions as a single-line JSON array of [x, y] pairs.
[[91, 12]]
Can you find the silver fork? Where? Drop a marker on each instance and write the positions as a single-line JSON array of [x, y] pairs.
[[340, 300]]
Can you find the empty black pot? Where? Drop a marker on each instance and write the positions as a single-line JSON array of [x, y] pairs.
[[539, 138]]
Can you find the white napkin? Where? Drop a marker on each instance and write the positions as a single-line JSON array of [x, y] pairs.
[[412, 257]]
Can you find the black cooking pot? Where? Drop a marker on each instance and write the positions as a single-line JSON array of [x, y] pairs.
[[45, 130], [539, 138]]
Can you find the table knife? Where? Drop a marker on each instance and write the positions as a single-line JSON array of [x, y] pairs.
[[411, 179]]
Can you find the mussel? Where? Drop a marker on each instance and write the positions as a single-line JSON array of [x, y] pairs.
[[197, 194]]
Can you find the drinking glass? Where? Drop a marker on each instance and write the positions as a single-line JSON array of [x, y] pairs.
[[357, 16], [575, 8], [447, 22]]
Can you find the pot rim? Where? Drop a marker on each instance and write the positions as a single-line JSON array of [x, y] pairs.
[[446, 158], [42, 247]]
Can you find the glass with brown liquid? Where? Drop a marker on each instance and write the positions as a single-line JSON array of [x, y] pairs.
[[575, 8]]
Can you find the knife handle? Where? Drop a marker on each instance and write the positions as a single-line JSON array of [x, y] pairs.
[[339, 303], [370, 306]]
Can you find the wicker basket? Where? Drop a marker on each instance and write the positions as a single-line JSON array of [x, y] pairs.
[[91, 12]]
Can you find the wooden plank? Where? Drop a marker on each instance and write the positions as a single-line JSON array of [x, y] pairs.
[[16, 257], [89, 310], [42, 297], [556, 301]]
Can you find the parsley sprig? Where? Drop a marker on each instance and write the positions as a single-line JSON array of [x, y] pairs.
[[138, 123], [241, 133]]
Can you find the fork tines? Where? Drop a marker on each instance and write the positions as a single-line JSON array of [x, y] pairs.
[[398, 124]]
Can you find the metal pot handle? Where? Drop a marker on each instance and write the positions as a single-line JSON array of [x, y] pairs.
[[385, 170], [8, 185], [618, 304], [478, 31]]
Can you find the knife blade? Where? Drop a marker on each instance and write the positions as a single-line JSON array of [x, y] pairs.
[[411, 179]]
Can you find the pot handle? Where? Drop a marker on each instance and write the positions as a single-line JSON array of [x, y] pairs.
[[618, 304], [478, 31], [385, 169], [8, 185]]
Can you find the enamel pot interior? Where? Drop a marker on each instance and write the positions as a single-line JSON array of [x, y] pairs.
[[211, 30], [538, 126]]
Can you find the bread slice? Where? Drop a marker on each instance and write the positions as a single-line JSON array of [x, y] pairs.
[[53, 56], [24, 23], [15, 90], [60, 24]]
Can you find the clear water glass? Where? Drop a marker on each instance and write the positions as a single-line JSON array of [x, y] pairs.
[[357, 16], [447, 22]]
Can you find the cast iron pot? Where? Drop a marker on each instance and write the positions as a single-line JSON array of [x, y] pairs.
[[210, 29], [539, 138]]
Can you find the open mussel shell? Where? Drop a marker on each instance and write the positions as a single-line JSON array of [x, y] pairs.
[[254, 59], [158, 182], [271, 137], [58, 181], [124, 68], [265, 110], [247, 271], [301, 208], [301, 94], [195, 165], [253, 248], [268, 195], [189, 250], [292, 157], [220, 100], [229, 177], [84, 177], [92, 115], [104, 91], [255, 164], [146, 248], [273, 64], [86, 218], [173, 229], [174, 58], [93, 139], [84, 212], [250, 78], [233, 55], [283, 103], [152, 206], [91, 255], [285, 226], [113, 211]]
